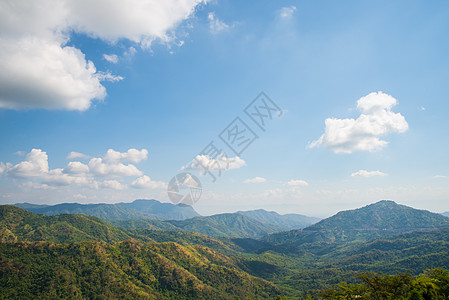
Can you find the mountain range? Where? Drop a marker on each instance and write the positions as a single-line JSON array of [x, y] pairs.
[[89, 256], [155, 215], [138, 209]]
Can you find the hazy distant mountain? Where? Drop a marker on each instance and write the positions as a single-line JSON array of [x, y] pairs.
[[139, 209], [227, 225], [104, 211], [383, 218], [163, 211], [30, 206], [446, 213], [288, 221]]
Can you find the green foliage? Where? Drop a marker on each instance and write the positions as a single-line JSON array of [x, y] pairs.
[[139, 209], [432, 284], [125, 270], [286, 222], [227, 225], [17, 224]]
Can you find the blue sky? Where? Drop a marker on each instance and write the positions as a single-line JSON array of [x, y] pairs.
[[169, 78]]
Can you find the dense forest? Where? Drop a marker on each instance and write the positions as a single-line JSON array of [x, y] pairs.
[[381, 251]]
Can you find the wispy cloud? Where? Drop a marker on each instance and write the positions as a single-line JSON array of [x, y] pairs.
[[297, 182], [287, 12], [255, 180], [366, 174], [215, 24], [112, 58]]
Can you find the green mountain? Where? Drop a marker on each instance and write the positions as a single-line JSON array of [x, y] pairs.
[[384, 218], [17, 224], [163, 211], [30, 206], [139, 209], [287, 221], [124, 270], [195, 267], [221, 225], [226, 225], [144, 223]]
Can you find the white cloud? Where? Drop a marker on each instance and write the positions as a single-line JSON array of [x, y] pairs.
[[36, 73], [363, 133], [145, 182], [57, 177], [76, 167], [35, 164], [98, 167], [297, 182], [434, 177], [35, 168], [74, 155], [287, 12], [203, 162], [106, 76], [2, 167], [366, 174], [130, 52], [215, 24], [112, 184], [255, 180], [39, 70], [132, 155], [112, 58]]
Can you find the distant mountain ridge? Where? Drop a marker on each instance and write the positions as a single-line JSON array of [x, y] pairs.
[[138, 209], [287, 221], [221, 225], [383, 218]]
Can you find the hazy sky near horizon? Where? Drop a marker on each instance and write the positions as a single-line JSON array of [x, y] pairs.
[[105, 101]]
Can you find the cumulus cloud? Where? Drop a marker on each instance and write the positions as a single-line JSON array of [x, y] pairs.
[[221, 163], [215, 24], [287, 12], [35, 167], [112, 184], [39, 70], [297, 182], [75, 155], [35, 164], [57, 177], [366, 174], [145, 182], [255, 180], [363, 134], [100, 168], [76, 167], [112, 58], [132, 155]]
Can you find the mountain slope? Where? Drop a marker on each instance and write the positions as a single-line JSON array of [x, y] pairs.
[[227, 225], [384, 218], [164, 211], [139, 209], [17, 224], [125, 270], [103, 211], [287, 222]]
